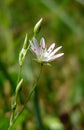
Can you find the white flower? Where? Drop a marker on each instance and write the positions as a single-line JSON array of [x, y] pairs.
[[42, 53]]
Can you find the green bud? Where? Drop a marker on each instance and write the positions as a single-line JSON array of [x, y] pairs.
[[37, 26], [23, 51], [16, 94], [25, 42], [22, 56]]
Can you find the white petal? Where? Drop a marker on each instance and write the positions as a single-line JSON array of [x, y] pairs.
[[53, 53], [35, 42], [36, 48], [32, 47], [42, 43], [55, 57], [50, 49], [42, 47]]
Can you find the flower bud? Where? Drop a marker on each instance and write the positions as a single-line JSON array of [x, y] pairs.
[[23, 51], [37, 26], [22, 56]]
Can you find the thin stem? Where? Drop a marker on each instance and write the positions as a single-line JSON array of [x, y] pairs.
[[36, 105], [37, 110], [19, 74]]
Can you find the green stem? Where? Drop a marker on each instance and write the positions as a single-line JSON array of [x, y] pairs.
[[19, 74], [36, 105], [37, 110]]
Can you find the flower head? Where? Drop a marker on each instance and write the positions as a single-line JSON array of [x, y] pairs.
[[42, 53]]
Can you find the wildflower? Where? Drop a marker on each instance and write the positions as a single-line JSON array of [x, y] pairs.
[[42, 53]]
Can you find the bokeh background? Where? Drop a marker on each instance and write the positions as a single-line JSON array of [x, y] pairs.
[[61, 86]]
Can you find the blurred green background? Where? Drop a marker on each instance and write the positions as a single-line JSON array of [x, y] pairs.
[[61, 86]]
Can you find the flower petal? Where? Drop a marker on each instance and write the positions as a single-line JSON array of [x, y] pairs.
[[54, 57], [50, 49], [42, 43], [34, 46], [35, 42], [42, 47], [53, 53]]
